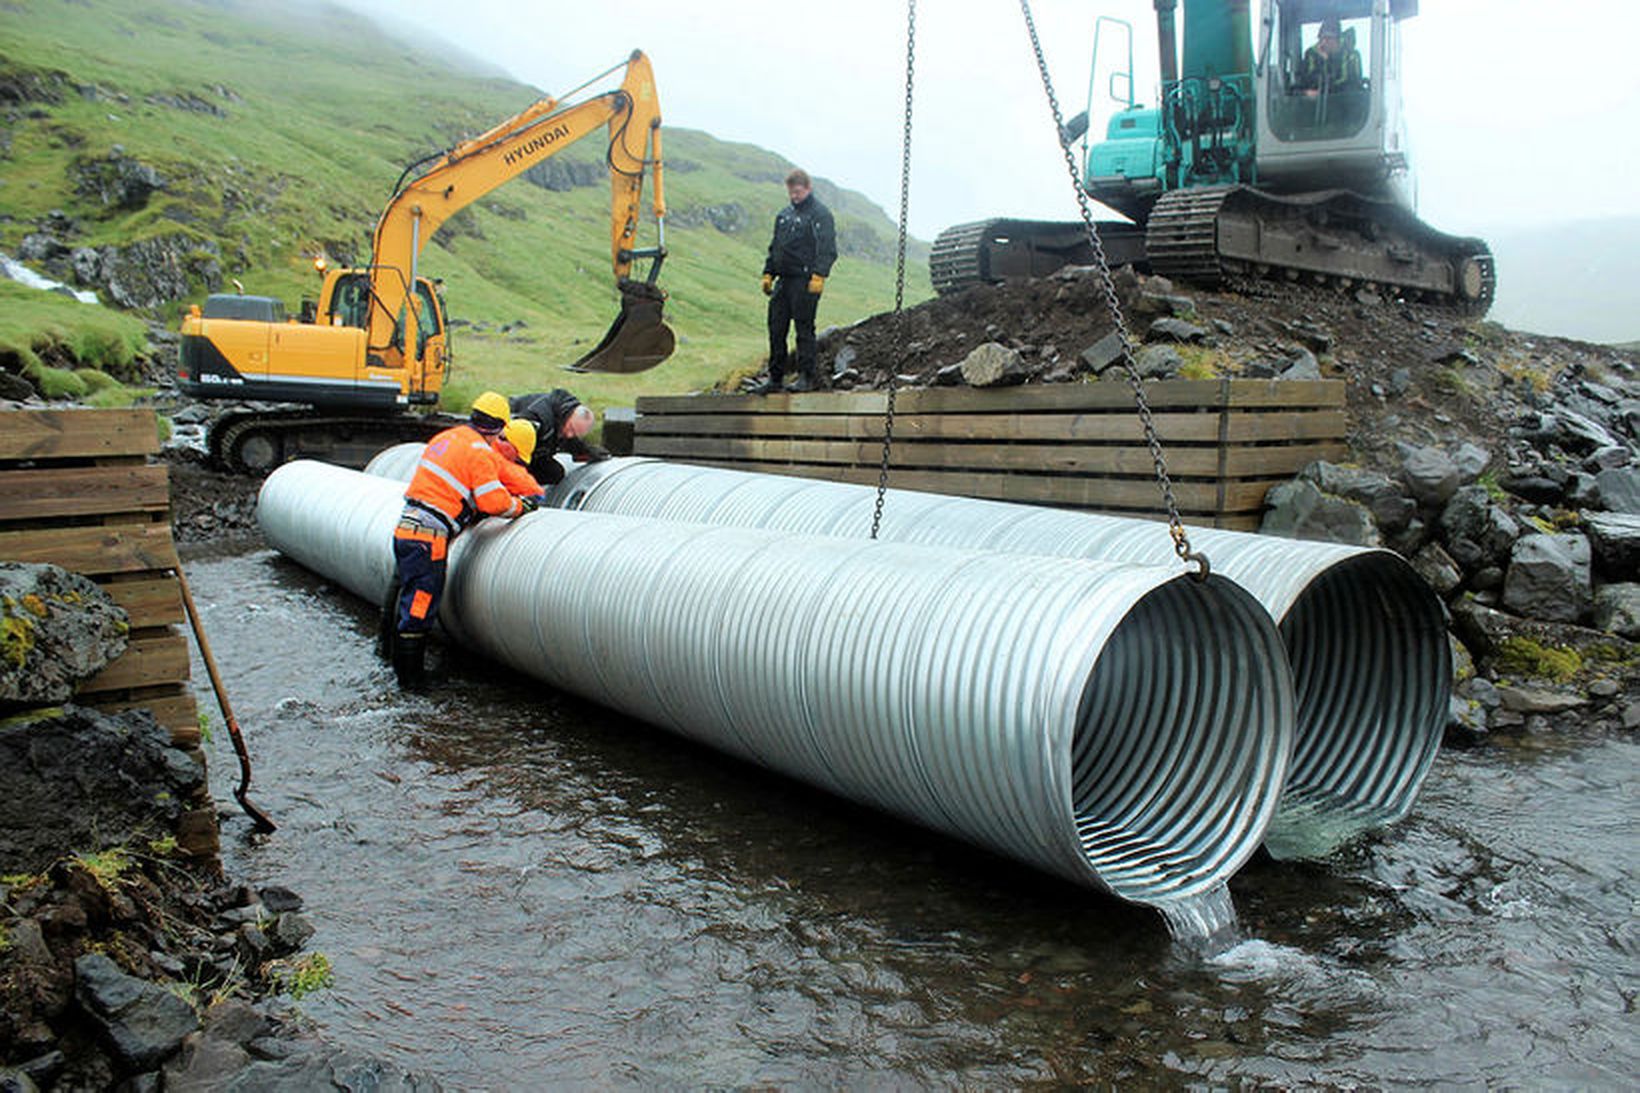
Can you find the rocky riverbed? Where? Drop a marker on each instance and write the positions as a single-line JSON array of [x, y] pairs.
[[125, 961]]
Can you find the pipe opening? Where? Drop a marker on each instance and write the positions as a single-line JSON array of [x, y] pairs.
[[1372, 669], [1172, 757]]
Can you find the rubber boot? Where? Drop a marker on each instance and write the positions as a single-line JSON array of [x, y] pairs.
[[410, 661], [806, 382], [388, 627], [774, 385]]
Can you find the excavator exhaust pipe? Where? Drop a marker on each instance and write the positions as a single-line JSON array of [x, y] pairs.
[[638, 340]]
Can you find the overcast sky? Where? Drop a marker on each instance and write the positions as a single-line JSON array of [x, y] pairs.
[[1519, 112]]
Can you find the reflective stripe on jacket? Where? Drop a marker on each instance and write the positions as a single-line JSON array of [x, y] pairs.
[[459, 475]]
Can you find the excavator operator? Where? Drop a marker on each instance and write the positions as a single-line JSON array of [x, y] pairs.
[[1332, 65], [458, 481]]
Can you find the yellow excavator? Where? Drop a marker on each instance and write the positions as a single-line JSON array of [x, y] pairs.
[[367, 359]]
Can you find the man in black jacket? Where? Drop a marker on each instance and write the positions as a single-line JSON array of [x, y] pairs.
[[561, 425], [794, 274]]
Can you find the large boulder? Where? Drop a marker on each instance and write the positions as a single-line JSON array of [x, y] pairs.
[[1549, 578], [994, 365], [117, 180], [57, 629], [1620, 489], [83, 779], [1299, 510], [1389, 505], [1617, 610], [142, 1023], [1615, 538], [1430, 475], [1471, 518]]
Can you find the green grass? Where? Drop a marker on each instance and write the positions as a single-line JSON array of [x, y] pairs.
[[35, 324], [311, 145]]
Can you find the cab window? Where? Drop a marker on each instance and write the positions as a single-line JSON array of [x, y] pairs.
[[1322, 89]]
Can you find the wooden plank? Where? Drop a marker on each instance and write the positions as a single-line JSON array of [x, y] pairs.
[[1030, 458], [156, 658], [1290, 425], [64, 434], [1283, 459], [1118, 426], [1096, 493], [1172, 394], [94, 551], [83, 491], [149, 602]]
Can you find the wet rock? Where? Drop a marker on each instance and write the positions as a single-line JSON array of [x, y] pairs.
[[1471, 516], [57, 629], [278, 900], [1465, 720], [117, 181], [994, 365], [1549, 577], [1430, 474], [1620, 489], [1487, 578], [1631, 715], [1525, 700], [1158, 362], [151, 272], [1102, 353], [329, 1068], [291, 931], [141, 1022], [949, 376], [43, 1069], [1437, 569], [1579, 434], [1607, 458], [68, 780], [1605, 688], [1483, 629], [1299, 510], [1582, 491], [15, 1081], [1615, 540], [1535, 488], [844, 360], [1471, 460], [1175, 330], [1383, 497], [205, 1065], [15, 388], [1303, 366], [1617, 610]]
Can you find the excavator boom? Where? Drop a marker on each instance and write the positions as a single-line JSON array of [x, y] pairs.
[[473, 168]]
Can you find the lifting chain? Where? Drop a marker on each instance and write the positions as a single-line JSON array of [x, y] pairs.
[[1181, 538], [899, 262]]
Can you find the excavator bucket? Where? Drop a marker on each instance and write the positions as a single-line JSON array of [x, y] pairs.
[[638, 340]]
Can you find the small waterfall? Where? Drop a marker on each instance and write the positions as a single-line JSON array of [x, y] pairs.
[[14, 270], [1205, 922]]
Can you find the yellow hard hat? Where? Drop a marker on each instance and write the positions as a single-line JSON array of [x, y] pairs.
[[520, 433], [493, 404]]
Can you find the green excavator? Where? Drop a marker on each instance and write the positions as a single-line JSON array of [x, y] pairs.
[[1278, 151]]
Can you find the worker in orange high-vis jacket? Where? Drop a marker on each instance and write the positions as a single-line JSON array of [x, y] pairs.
[[458, 481]]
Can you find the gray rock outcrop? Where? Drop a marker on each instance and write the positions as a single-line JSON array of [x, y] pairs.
[[140, 1022], [57, 629], [1549, 578]]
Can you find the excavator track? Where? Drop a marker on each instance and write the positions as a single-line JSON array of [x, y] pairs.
[[257, 441], [988, 251], [1232, 235]]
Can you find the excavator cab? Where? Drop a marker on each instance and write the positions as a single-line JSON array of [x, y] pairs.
[[1330, 96]]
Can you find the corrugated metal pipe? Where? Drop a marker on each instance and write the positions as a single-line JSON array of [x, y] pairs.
[[1366, 637], [1122, 726]]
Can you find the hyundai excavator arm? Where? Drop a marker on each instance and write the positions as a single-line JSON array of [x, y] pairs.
[[457, 178]]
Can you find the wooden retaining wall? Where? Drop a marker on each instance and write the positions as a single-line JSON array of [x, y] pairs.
[[77, 489], [1074, 445]]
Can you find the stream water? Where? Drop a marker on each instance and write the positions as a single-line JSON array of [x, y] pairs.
[[517, 889]]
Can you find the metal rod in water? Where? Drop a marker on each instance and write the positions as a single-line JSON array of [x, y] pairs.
[[1122, 726]]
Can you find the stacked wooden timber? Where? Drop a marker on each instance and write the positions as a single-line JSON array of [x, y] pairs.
[[77, 489], [1073, 445]]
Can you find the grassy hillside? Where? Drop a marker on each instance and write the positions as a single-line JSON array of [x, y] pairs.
[[279, 130]]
